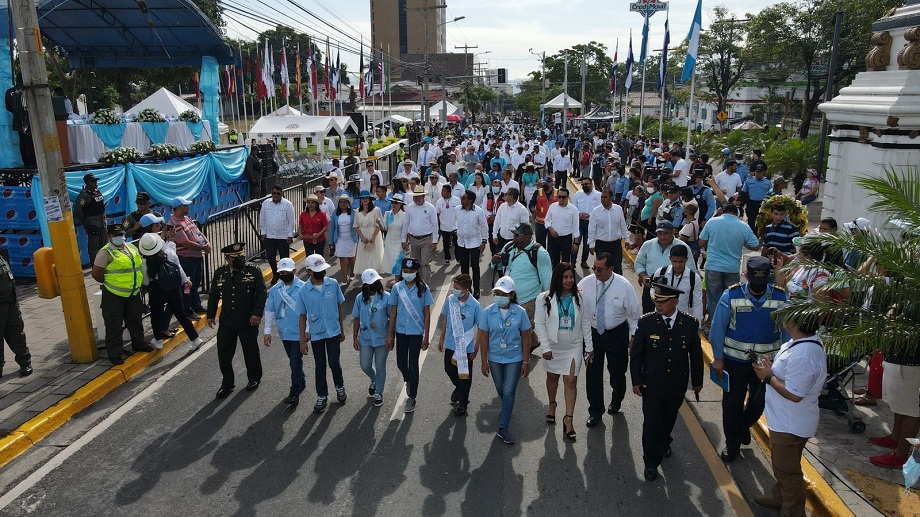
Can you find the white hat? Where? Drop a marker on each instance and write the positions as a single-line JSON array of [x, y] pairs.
[[150, 244], [505, 284], [317, 263], [286, 264], [861, 223], [369, 276]]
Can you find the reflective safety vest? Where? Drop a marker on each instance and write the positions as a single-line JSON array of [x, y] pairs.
[[123, 276], [751, 327], [542, 205]]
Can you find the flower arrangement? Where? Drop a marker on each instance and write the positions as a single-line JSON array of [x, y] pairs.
[[105, 116], [150, 115], [796, 212], [163, 151], [203, 147], [120, 155], [189, 116]]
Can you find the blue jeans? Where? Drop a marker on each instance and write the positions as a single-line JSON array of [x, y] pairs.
[[298, 379], [374, 364], [506, 377], [716, 283], [194, 269], [808, 199], [323, 350]]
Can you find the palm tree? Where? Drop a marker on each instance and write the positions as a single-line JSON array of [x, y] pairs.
[[883, 309]]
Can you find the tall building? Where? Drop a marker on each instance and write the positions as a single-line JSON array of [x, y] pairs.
[[402, 24]]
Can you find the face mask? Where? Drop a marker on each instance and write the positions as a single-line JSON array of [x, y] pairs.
[[409, 277], [319, 275], [287, 278], [502, 301], [456, 292], [119, 240], [496, 190], [651, 190], [239, 262]]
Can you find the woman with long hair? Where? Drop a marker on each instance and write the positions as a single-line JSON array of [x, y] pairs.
[[392, 244], [375, 182], [480, 188], [345, 237], [370, 238], [353, 189], [313, 227], [371, 321], [410, 319], [565, 335]]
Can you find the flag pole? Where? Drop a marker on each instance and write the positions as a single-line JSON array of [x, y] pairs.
[[690, 106], [388, 70], [662, 91], [613, 94], [243, 95], [642, 53]]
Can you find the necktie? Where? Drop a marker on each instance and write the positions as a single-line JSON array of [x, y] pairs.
[[602, 311], [667, 322]]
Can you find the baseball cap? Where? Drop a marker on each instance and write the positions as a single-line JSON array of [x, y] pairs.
[[504, 284], [726, 151], [115, 228], [522, 229], [89, 177], [180, 201], [664, 226], [316, 263], [286, 264], [149, 219], [142, 197], [759, 270], [319, 188], [369, 276]]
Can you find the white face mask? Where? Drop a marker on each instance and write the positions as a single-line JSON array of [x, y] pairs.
[[651, 190], [119, 240], [496, 190], [409, 277], [502, 301]]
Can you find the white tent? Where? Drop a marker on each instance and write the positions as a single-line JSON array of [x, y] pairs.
[[293, 127], [343, 124], [286, 111], [166, 102], [396, 119], [558, 102], [434, 112]]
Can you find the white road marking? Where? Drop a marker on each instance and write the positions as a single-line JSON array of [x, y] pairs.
[[99, 428]]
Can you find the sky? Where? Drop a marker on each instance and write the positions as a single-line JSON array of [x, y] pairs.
[[506, 29]]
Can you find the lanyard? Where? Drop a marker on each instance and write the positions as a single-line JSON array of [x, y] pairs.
[[565, 304], [603, 292], [505, 324], [679, 279]]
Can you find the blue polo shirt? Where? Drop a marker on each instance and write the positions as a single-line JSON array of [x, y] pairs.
[[373, 319], [469, 313], [725, 236], [321, 306], [385, 205], [757, 188], [505, 343], [286, 318], [405, 323]]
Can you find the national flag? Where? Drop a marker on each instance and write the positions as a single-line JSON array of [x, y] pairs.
[[361, 75], [258, 78], [380, 71], [271, 73], [314, 77], [694, 43], [613, 73], [297, 71], [630, 65], [663, 69], [285, 76], [369, 76], [336, 75], [328, 70], [645, 33], [267, 85], [389, 70]]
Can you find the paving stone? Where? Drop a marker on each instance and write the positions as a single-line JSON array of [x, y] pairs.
[[10, 424]]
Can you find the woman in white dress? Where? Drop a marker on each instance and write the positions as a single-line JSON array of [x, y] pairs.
[[565, 335], [392, 245], [345, 237], [370, 238], [480, 188]]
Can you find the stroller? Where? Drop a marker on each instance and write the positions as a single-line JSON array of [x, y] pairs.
[[836, 398]]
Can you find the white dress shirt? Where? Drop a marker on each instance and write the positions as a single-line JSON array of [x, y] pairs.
[[457, 190], [729, 183], [507, 217], [587, 202], [511, 184], [681, 179], [425, 157], [607, 225], [621, 302], [277, 220], [420, 220], [683, 283], [447, 213], [433, 192], [562, 163], [517, 159], [563, 219], [472, 228]]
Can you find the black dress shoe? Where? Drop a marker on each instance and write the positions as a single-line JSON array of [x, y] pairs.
[[730, 453], [193, 317], [25, 370], [667, 452], [224, 392], [592, 421], [612, 410], [292, 400], [746, 439], [253, 385], [143, 348], [650, 474], [460, 410], [455, 396], [116, 360], [127, 352]]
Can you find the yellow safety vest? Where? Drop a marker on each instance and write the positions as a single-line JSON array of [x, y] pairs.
[[123, 276]]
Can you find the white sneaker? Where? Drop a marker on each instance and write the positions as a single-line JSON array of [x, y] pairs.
[[196, 344], [156, 343]]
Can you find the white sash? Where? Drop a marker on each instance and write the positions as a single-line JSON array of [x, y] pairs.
[[286, 298], [410, 308], [461, 338]]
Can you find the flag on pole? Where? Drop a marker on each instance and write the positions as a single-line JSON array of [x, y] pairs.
[[694, 43], [644, 34], [380, 71], [336, 75], [266, 74], [630, 65], [613, 73], [361, 74], [285, 76], [663, 68], [369, 76], [388, 68], [297, 71], [314, 72], [271, 72]]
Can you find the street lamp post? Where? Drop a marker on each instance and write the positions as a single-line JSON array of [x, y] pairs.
[[542, 57], [425, 85]]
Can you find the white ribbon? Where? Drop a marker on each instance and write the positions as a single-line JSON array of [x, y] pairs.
[[461, 338], [285, 297], [410, 308]]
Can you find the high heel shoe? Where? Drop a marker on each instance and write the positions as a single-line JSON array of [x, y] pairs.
[[569, 434], [551, 419]]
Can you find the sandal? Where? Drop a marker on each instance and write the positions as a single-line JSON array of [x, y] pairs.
[[551, 419], [569, 434]]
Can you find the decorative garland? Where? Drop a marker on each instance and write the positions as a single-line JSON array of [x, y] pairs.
[[796, 212], [120, 155], [105, 116]]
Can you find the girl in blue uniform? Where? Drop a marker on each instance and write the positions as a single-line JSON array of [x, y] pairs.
[[410, 317], [371, 321], [460, 313], [504, 335]]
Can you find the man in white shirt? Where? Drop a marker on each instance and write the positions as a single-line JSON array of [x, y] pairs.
[[337, 171], [420, 231], [729, 181], [518, 157], [277, 226], [680, 277], [586, 200], [472, 234], [452, 165], [606, 230], [509, 215], [426, 155], [611, 303], [562, 166], [539, 158], [433, 187], [406, 171], [562, 225], [681, 174], [456, 189], [507, 182], [447, 207]]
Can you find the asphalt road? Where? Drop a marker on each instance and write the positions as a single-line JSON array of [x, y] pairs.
[[164, 446]]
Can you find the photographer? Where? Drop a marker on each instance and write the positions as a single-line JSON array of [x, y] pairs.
[[654, 255]]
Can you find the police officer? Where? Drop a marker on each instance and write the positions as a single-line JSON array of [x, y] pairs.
[[90, 212], [117, 266], [756, 190], [666, 354], [243, 290], [133, 228], [12, 328], [742, 326]]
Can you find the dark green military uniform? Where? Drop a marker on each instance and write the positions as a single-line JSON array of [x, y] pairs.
[[12, 328], [663, 360], [242, 290]]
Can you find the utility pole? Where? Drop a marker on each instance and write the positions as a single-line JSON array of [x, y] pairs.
[[466, 50], [69, 272], [565, 94], [584, 75]]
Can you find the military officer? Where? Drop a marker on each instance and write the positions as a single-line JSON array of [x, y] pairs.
[[742, 328], [89, 210], [666, 354], [12, 328], [242, 289]]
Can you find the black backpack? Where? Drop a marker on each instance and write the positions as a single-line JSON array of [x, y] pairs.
[[531, 254], [168, 276], [661, 272]]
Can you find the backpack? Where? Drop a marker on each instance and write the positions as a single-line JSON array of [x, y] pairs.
[[661, 272], [701, 201], [168, 277], [531, 254]]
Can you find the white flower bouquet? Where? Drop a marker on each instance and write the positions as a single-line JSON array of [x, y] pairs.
[[150, 115], [189, 116], [203, 147], [120, 155], [105, 116], [163, 151]]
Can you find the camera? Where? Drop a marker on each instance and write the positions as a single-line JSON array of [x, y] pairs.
[[505, 259]]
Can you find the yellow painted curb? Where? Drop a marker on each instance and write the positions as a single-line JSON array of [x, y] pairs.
[[41, 425]]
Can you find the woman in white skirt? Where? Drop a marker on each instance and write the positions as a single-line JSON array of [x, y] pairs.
[[370, 238], [392, 244], [565, 336], [345, 237]]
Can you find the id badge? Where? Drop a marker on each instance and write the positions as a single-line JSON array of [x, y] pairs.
[[502, 345], [566, 322]]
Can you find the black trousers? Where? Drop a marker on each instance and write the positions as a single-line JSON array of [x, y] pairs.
[[615, 248], [120, 312], [612, 345], [159, 300], [12, 330], [327, 351], [583, 230], [408, 349], [561, 178], [463, 385], [752, 209], [94, 242], [540, 233], [273, 247], [659, 416], [319, 248], [448, 239], [737, 415], [648, 305], [226, 349], [560, 248], [470, 258]]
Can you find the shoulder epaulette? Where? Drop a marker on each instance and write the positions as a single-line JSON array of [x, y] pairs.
[[778, 288], [647, 314], [738, 285]]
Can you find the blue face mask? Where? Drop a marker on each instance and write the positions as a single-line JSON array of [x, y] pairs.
[[409, 277], [118, 240], [502, 301], [456, 292]]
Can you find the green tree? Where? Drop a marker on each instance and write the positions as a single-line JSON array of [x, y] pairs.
[[597, 80], [721, 57]]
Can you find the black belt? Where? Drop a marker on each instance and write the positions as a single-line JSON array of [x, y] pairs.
[[420, 236], [611, 242]]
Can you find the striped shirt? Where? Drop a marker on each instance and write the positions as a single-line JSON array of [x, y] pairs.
[[780, 236]]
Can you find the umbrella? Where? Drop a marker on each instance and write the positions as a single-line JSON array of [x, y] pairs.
[[748, 124], [453, 117]]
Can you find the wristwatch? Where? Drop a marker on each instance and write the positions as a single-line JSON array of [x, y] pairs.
[[768, 378]]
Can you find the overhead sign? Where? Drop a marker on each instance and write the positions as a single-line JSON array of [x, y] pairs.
[[721, 116], [653, 7]]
